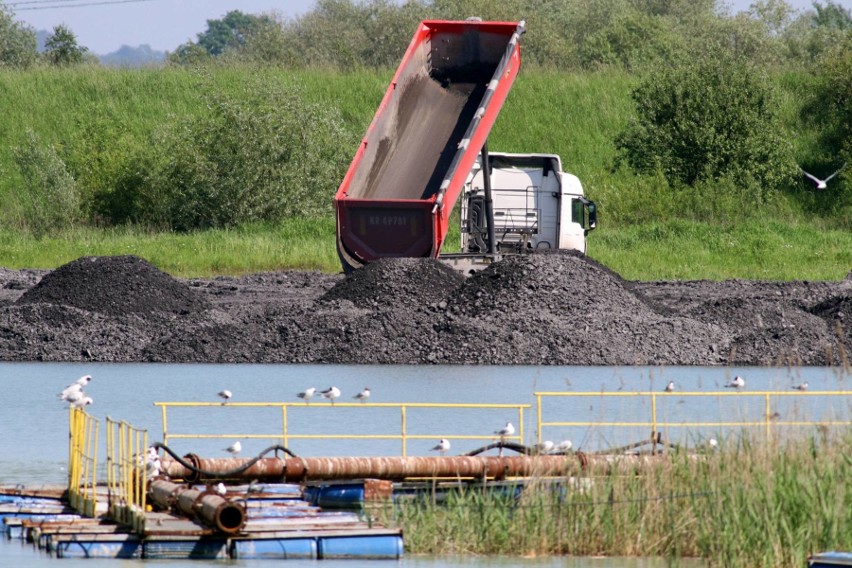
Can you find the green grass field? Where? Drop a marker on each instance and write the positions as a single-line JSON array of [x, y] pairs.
[[646, 230]]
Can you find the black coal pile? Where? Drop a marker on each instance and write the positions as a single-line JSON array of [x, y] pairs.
[[535, 309], [114, 286]]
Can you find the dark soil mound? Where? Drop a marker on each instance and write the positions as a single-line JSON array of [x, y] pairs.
[[114, 286], [397, 281]]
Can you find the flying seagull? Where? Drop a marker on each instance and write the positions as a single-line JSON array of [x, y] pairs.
[[363, 395], [234, 448], [331, 393], [670, 387], [443, 446], [736, 383], [307, 394], [823, 183], [225, 395]]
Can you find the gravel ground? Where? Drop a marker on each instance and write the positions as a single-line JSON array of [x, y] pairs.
[[537, 309]]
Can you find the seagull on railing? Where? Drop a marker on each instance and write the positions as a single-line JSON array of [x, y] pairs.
[[75, 386], [506, 430], [823, 183], [307, 394], [225, 395], [234, 448], [443, 447], [363, 395], [81, 402], [670, 387], [802, 387], [331, 393]]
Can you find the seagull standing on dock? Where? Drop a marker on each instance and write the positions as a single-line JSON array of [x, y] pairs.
[[363, 395], [442, 448], [736, 383], [307, 394], [225, 395], [822, 183], [331, 393], [563, 447], [670, 387], [802, 387], [234, 448]]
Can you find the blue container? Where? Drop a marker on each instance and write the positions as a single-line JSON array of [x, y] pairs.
[[830, 559], [275, 548], [130, 548], [204, 549], [340, 496], [364, 546]]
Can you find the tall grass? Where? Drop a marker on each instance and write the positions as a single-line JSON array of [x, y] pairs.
[[746, 505]]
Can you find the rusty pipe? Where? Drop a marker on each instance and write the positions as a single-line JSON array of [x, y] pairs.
[[398, 468], [211, 509]]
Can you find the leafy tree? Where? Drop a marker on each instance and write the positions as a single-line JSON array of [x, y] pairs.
[[707, 120], [229, 33], [260, 157], [49, 197], [61, 48], [18, 46]]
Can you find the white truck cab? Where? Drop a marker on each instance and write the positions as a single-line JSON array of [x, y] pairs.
[[536, 206]]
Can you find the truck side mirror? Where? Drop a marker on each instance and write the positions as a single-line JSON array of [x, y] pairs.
[[593, 215]]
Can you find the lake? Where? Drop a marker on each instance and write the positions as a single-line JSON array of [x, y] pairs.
[[34, 422]]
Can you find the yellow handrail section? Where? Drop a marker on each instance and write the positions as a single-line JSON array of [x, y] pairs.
[[768, 420], [127, 474], [286, 434], [82, 461]]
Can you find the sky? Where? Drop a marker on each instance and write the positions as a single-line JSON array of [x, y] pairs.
[[104, 26]]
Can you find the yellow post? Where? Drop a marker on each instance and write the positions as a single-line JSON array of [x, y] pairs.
[[538, 419], [521, 424], [165, 428], [284, 424], [404, 433]]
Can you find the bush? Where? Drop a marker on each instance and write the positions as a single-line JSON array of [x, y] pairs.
[[712, 119], [49, 197], [18, 46], [261, 157]]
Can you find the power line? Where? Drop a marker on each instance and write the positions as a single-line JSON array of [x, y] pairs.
[[80, 5]]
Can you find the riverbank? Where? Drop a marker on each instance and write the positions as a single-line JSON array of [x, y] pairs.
[[540, 309]]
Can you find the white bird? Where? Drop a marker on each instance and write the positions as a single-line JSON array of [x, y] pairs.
[[224, 395], [307, 394], [562, 447], [363, 395], [802, 387], [713, 443], [822, 183], [234, 448], [75, 386], [220, 488], [506, 430], [71, 393], [736, 383], [670, 387], [81, 402], [544, 447], [442, 447], [331, 393], [153, 466]]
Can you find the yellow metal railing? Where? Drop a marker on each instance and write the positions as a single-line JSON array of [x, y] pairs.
[[767, 421], [82, 462], [286, 435], [127, 473]]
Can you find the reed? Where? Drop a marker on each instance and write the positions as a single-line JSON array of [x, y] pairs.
[[748, 504]]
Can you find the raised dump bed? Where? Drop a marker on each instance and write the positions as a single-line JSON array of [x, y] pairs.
[[408, 172]]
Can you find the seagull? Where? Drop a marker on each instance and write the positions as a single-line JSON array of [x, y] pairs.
[[506, 430], [544, 447], [562, 447], [307, 394], [713, 443], [220, 488], [802, 387], [153, 466], [81, 402], [331, 393], [234, 448], [736, 383], [76, 385], [71, 393], [225, 395], [670, 387], [823, 183], [363, 395], [443, 446]]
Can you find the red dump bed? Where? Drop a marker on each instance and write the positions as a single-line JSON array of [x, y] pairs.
[[411, 166]]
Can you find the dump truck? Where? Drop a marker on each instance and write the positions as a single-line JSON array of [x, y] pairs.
[[419, 153]]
